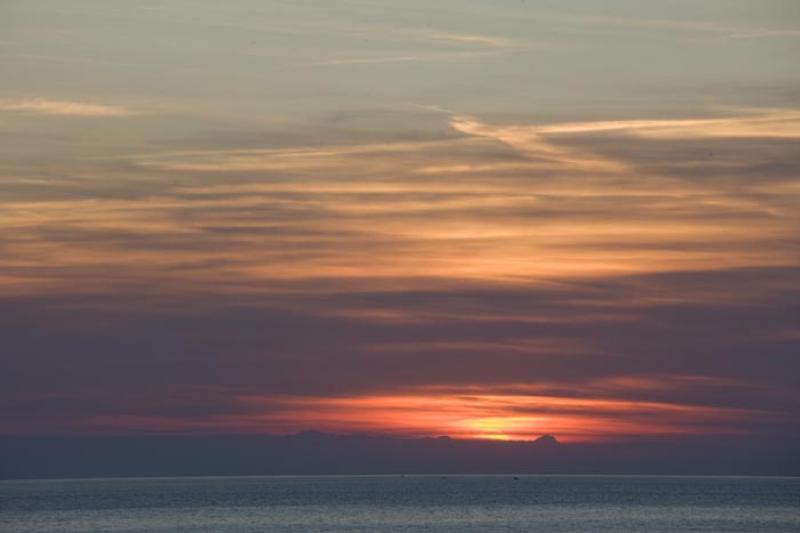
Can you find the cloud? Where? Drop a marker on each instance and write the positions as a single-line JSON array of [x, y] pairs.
[[496, 204], [513, 411], [662, 357], [484, 40], [709, 27], [428, 35], [438, 45], [782, 124], [40, 106], [551, 264], [412, 58], [777, 124]]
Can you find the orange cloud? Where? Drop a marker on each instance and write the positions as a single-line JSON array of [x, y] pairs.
[[510, 412], [501, 204], [489, 413]]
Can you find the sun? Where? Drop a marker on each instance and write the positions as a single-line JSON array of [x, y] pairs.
[[494, 436], [500, 428]]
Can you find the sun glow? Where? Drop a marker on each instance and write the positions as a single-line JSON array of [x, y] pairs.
[[515, 413], [482, 417], [502, 428]]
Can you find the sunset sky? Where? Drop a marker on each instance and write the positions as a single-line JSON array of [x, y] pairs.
[[484, 219]]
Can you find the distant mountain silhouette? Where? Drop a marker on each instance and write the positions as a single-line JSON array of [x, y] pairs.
[[314, 452], [547, 440]]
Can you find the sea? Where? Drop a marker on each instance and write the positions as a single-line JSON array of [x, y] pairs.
[[403, 504]]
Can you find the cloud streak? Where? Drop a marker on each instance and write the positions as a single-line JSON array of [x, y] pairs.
[[66, 108], [505, 204]]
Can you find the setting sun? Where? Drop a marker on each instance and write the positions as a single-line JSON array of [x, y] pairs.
[[507, 428]]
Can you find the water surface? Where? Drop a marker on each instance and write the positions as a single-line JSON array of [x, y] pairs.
[[410, 503]]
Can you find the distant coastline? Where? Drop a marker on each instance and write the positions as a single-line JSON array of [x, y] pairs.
[[317, 453]]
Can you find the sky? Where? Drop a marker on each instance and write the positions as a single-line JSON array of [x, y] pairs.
[[485, 219]]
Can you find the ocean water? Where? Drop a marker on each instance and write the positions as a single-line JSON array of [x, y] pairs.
[[404, 504]]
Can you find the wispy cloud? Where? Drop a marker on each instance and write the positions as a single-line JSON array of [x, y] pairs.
[[499, 204], [709, 27], [41, 106], [414, 58], [426, 45], [492, 41], [430, 35], [783, 123]]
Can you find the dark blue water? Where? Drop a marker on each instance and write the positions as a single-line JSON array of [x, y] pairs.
[[413, 503]]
